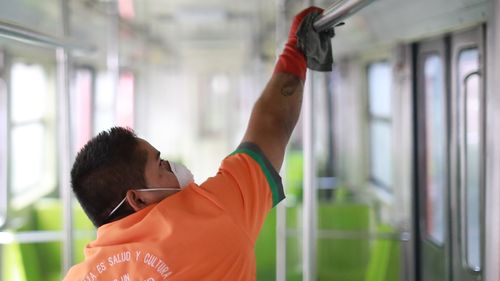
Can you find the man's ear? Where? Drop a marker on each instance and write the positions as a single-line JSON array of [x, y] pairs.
[[135, 200]]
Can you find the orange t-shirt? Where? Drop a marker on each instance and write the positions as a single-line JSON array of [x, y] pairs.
[[204, 232]]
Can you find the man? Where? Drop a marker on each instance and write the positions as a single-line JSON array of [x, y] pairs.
[[155, 223]]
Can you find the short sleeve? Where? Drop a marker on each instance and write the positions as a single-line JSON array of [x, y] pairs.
[[246, 187]]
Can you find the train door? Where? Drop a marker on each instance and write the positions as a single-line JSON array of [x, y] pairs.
[[432, 166], [467, 161], [450, 157]]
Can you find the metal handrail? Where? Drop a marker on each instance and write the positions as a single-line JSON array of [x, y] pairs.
[[20, 33], [339, 11], [39, 236], [403, 236]]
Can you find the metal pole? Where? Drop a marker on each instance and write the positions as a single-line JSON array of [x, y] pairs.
[[4, 153], [113, 50], [64, 140], [492, 220], [339, 11], [4, 123], [281, 208], [64, 154], [309, 200], [309, 182]]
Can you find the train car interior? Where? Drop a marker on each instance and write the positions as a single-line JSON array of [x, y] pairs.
[[392, 173]]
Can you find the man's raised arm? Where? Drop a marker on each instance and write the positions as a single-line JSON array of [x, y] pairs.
[[277, 110]]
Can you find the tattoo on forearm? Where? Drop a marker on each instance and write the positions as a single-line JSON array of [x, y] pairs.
[[291, 86], [288, 90]]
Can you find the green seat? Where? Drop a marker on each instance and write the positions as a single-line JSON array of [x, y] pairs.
[[48, 218], [13, 265], [42, 261], [265, 249], [21, 261], [385, 259], [294, 244], [294, 176], [343, 259]]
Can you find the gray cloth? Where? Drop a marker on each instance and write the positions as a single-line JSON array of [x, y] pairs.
[[316, 46]]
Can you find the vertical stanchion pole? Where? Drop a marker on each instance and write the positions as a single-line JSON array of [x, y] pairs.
[[281, 208], [64, 156], [309, 193], [309, 200], [64, 141], [4, 154], [113, 50], [492, 239], [4, 135]]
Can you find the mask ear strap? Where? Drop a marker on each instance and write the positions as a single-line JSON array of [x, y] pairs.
[[117, 206], [143, 189], [158, 189]]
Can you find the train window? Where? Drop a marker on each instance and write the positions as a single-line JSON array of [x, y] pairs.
[[469, 87], [114, 106], [213, 93], [81, 106], [125, 100], [379, 82], [104, 102], [435, 142], [32, 133], [380, 124]]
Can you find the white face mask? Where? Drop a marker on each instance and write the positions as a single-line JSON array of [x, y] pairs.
[[182, 173]]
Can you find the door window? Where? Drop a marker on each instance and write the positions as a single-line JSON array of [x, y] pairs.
[[469, 91], [435, 152]]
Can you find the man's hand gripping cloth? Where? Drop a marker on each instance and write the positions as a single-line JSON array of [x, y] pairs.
[[306, 47], [317, 46]]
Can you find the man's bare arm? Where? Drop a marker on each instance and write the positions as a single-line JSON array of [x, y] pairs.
[[275, 115], [276, 112]]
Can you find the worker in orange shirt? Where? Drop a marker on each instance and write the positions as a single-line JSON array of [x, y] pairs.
[[155, 223]]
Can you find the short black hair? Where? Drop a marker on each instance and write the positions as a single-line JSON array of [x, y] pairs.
[[105, 168]]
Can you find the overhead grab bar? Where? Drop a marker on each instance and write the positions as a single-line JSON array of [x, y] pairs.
[[337, 12], [26, 35]]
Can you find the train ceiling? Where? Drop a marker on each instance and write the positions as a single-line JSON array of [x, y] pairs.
[[227, 34], [233, 31]]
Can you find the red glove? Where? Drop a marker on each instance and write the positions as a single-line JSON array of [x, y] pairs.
[[292, 60]]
